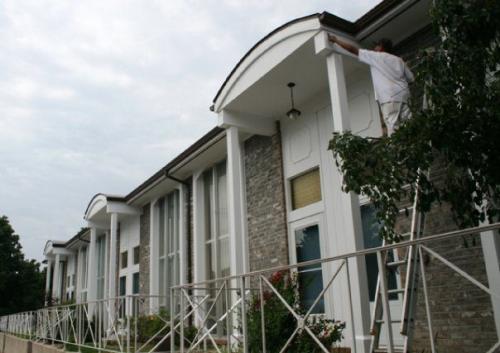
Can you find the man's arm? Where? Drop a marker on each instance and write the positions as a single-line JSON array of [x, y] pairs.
[[349, 47]]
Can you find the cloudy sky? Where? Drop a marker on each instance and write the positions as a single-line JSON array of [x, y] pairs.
[[97, 95]]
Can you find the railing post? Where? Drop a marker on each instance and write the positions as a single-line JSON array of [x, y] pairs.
[[426, 299], [351, 310], [181, 314], [244, 327], [262, 315], [172, 320]]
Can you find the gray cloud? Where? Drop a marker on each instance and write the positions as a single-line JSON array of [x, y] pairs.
[[96, 95]]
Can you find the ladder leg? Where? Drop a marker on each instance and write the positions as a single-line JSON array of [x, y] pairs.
[[385, 301]]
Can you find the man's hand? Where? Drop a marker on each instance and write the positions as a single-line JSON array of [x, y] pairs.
[[351, 48]]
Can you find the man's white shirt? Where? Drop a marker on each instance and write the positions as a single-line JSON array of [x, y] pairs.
[[390, 76]]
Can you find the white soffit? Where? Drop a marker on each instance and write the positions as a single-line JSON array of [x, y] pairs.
[[265, 56]]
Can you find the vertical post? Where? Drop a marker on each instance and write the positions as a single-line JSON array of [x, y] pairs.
[[262, 315], [426, 300], [92, 269], [244, 315], [56, 286], [112, 267], [346, 225], [490, 242], [181, 321], [235, 200], [351, 311], [47, 280], [172, 320]]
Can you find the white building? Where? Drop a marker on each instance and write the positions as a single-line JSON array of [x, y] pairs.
[[259, 187]]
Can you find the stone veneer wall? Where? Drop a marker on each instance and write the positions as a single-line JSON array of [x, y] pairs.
[[266, 209], [144, 235], [462, 314]]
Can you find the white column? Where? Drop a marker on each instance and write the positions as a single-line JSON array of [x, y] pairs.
[[112, 256], [490, 242], [48, 278], [183, 250], [78, 274], [235, 194], [56, 287], [92, 267], [347, 229]]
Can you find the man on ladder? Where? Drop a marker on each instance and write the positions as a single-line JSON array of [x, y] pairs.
[[391, 78]]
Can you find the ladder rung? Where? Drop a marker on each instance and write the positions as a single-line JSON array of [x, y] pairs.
[[396, 263], [395, 291], [392, 322]]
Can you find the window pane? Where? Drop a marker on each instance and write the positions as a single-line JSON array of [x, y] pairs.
[[306, 189], [135, 283], [137, 253], [371, 239], [123, 285], [207, 188], [211, 258], [224, 257], [161, 226], [124, 259], [310, 285], [307, 246], [222, 198], [162, 275]]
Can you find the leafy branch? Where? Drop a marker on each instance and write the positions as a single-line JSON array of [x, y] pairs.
[[456, 134]]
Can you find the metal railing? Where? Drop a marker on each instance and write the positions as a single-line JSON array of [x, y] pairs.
[[223, 320], [133, 323], [216, 315]]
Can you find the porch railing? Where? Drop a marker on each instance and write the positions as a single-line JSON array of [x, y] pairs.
[[214, 315]]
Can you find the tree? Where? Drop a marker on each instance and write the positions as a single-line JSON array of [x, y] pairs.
[[21, 281], [457, 128]]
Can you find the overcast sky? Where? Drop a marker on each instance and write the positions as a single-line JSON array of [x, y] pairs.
[[97, 95]]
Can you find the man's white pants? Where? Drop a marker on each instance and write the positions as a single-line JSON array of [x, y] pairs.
[[394, 114]]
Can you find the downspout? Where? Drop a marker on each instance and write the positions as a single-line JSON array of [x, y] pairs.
[[188, 227]]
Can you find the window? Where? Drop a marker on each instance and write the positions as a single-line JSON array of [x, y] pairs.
[[371, 239], [124, 259], [68, 281], [73, 282], [123, 286], [216, 222], [306, 189], [101, 248], [169, 249], [307, 247], [137, 255], [135, 283]]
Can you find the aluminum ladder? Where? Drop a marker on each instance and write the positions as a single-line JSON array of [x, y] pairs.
[[381, 311]]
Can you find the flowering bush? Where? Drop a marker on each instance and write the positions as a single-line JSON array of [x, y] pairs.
[[280, 323]]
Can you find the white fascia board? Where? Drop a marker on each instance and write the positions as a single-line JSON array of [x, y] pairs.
[[122, 208], [265, 57], [247, 123], [98, 203], [324, 47]]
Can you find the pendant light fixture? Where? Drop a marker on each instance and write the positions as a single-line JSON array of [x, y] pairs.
[[293, 113]]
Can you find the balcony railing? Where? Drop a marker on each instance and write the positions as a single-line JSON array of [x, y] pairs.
[[232, 314]]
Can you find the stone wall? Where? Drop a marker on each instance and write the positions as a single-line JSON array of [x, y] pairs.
[[462, 314], [144, 235], [266, 209]]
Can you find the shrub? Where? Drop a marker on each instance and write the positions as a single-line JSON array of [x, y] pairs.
[[280, 323]]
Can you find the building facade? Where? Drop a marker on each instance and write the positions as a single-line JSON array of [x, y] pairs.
[[261, 190]]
